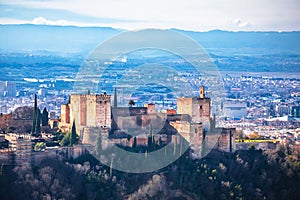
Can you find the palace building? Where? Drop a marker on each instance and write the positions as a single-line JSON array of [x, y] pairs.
[[93, 116], [87, 110]]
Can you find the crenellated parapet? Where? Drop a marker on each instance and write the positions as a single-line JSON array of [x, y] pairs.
[[197, 107], [87, 110], [103, 98]]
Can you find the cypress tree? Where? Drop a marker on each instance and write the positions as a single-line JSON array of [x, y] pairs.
[[45, 117], [149, 142], [34, 116], [115, 98], [73, 134], [36, 129], [38, 122], [134, 142], [159, 142]]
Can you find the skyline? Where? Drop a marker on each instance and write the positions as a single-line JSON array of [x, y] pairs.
[[257, 15]]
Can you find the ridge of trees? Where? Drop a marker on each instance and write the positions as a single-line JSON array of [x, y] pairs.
[[250, 174]]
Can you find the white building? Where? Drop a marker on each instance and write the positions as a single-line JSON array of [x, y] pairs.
[[233, 109]]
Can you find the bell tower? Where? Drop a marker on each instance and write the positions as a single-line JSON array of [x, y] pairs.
[[202, 112], [202, 92]]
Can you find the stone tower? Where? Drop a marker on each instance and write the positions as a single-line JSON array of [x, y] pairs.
[[197, 107], [103, 110], [87, 110], [203, 108], [202, 92]]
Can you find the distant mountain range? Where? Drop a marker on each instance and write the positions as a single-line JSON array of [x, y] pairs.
[[65, 39], [71, 39]]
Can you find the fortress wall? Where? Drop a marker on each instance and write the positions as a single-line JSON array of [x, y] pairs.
[[91, 110], [184, 106], [103, 110], [83, 110]]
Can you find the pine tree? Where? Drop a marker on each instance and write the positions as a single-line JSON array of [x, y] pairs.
[[73, 134]]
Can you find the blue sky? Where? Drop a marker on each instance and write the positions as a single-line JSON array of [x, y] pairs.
[[198, 15]]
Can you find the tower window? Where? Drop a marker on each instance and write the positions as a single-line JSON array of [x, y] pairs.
[[200, 107]]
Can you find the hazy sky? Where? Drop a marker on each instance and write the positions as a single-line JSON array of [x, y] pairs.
[[200, 15]]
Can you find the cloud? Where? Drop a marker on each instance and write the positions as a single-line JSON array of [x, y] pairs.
[[240, 23], [44, 21], [135, 14]]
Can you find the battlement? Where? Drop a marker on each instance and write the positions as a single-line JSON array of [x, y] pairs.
[[205, 99], [99, 98], [103, 98]]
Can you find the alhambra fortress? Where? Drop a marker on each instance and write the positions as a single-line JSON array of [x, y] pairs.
[[94, 115]]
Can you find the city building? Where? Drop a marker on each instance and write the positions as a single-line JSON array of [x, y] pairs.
[[171, 112], [21, 145], [235, 110], [295, 111], [2, 88], [42, 92], [282, 110], [10, 89]]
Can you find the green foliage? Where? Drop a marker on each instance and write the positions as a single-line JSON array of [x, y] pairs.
[[65, 140], [251, 174], [134, 142], [40, 146], [150, 142], [131, 103], [73, 136], [115, 98], [52, 179], [45, 117], [23, 113], [69, 138], [252, 147], [36, 121]]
